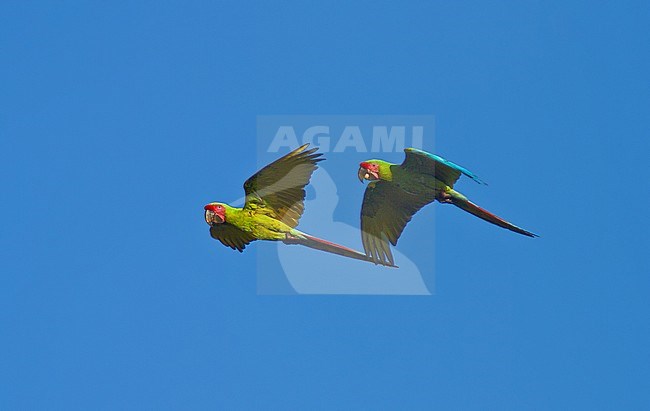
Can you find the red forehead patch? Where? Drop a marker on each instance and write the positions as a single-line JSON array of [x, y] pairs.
[[369, 166]]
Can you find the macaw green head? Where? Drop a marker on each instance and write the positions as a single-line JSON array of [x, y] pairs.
[[215, 213], [369, 170]]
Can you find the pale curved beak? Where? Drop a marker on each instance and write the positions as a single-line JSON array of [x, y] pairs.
[[213, 218], [362, 174]]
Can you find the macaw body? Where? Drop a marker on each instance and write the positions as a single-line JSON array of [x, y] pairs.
[[274, 204], [421, 184], [257, 225], [397, 191]]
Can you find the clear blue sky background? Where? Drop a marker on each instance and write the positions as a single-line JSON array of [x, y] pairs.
[[118, 122]]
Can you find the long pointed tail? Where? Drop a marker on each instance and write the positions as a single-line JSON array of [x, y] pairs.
[[327, 246], [462, 202]]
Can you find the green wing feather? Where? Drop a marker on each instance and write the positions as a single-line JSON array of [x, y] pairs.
[[231, 236], [385, 212], [278, 190], [444, 170]]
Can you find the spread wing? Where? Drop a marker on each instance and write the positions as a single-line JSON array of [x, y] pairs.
[[231, 236], [278, 189], [385, 212], [444, 170]]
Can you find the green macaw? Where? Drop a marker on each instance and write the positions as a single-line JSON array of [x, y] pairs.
[[397, 192], [274, 204]]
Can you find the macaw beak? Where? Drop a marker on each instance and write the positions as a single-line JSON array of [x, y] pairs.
[[365, 174], [214, 216], [362, 174]]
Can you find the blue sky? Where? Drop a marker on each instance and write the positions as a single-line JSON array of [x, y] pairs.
[[119, 122]]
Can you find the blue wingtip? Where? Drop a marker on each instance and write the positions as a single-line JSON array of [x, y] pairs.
[[450, 164]]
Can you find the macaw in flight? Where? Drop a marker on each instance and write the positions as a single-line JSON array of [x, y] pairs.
[[274, 204], [397, 191]]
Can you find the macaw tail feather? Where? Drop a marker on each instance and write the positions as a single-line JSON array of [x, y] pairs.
[[327, 246], [465, 204]]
